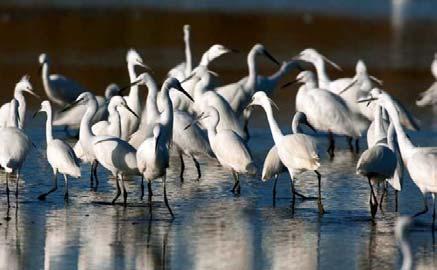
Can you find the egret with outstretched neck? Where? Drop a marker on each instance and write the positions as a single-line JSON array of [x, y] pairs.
[[60, 155], [14, 147], [297, 152]]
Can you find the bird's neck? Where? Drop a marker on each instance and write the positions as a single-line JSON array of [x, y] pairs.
[[13, 121], [295, 126], [251, 64], [134, 97], [200, 87], [166, 117], [115, 122], [21, 108], [151, 104], [379, 128], [323, 77], [278, 75], [188, 57], [49, 124], [205, 60], [85, 132], [405, 145], [45, 79], [274, 128]]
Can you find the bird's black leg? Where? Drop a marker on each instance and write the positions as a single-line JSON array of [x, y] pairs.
[[319, 201], [274, 190], [95, 165], [331, 147], [293, 194], [236, 182], [142, 187], [16, 185], [424, 210], [433, 211], [349, 142], [118, 190], [65, 187], [396, 200], [357, 145], [43, 196], [373, 206], [384, 190], [165, 196], [92, 176], [124, 191], [150, 193], [182, 167], [196, 163], [7, 190]]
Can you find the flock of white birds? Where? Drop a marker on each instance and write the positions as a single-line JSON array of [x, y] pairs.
[[192, 116]]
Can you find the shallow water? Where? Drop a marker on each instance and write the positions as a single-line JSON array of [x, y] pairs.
[[213, 228]]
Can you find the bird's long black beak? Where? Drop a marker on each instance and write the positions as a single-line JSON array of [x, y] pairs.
[[289, 83], [180, 88], [189, 77], [310, 126], [200, 117], [124, 88], [266, 53], [36, 113], [69, 106], [367, 99], [131, 111], [354, 81]]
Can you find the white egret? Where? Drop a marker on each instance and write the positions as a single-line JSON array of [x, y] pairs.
[[238, 94], [378, 163], [192, 142], [273, 165], [298, 152], [325, 110], [183, 70], [268, 84], [229, 148], [204, 98], [150, 114], [60, 155], [401, 233], [71, 118], [114, 154], [14, 147], [22, 86], [129, 122], [59, 89], [419, 161], [112, 126], [152, 155], [429, 97], [180, 101]]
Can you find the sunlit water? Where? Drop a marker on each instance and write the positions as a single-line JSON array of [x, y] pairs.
[[212, 228]]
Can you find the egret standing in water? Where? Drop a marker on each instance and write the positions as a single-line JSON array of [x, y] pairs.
[[273, 165], [14, 147], [325, 111], [22, 86], [114, 154], [421, 162], [229, 148], [152, 155], [60, 155], [297, 152]]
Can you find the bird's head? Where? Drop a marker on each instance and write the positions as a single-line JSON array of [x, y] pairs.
[[112, 90], [261, 99], [24, 85], [119, 102], [218, 50], [174, 83], [133, 57], [43, 58], [260, 49], [313, 56]]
